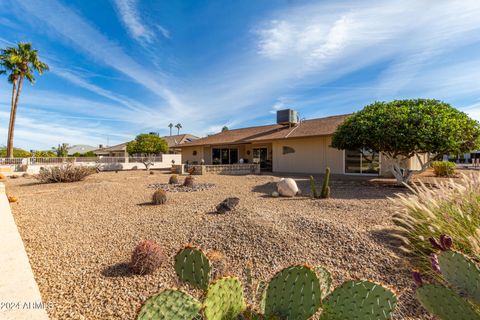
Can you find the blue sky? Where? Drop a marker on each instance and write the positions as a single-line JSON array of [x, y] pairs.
[[119, 68]]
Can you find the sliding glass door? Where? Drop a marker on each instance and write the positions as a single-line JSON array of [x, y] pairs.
[[362, 161], [224, 155]]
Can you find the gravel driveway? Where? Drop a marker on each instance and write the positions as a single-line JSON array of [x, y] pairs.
[[80, 235]]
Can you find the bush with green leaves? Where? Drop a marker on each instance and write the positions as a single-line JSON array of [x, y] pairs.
[[17, 153], [147, 145], [403, 129], [64, 173], [296, 292], [44, 154], [449, 207], [459, 298], [443, 168]]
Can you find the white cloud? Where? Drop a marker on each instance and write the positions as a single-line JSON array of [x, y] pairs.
[[138, 29]]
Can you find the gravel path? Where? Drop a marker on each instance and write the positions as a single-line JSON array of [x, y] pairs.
[[80, 235]]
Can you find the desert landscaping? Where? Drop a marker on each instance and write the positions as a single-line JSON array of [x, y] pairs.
[[79, 236]]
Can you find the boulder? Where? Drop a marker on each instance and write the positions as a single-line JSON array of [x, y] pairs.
[[287, 187], [228, 204]]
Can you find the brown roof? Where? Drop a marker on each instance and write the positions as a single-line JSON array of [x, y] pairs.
[[115, 148], [307, 128], [175, 140]]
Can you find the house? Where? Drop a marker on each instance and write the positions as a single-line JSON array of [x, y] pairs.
[[289, 146], [120, 150]]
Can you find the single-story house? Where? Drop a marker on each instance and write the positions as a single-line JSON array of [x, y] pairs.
[[120, 150], [289, 146]]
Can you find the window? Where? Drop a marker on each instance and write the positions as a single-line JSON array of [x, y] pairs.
[[362, 161], [287, 150]]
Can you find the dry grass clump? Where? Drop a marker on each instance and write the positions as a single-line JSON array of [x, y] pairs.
[[64, 173], [451, 207]]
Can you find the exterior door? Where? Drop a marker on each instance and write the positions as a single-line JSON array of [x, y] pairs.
[[261, 155]]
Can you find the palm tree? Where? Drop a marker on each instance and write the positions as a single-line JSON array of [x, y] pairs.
[[178, 126], [21, 62], [170, 126]]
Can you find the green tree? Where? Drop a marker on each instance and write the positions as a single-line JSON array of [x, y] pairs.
[[403, 129], [21, 62], [89, 154], [178, 126], [62, 150], [17, 153], [170, 126], [225, 128], [44, 154], [147, 146]]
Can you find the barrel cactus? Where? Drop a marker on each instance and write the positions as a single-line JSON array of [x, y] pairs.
[[147, 257], [173, 179], [189, 181], [295, 292], [461, 298], [159, 197]]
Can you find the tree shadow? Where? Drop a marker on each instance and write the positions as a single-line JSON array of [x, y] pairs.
[[118, 270], [387, 238]]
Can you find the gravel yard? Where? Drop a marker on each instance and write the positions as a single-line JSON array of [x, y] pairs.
[[79, 236]]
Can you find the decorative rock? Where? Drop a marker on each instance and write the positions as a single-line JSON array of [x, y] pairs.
[[287, 187], [275, 194], [228, 204]]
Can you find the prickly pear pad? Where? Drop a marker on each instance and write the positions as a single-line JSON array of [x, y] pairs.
[[461, 273], [192, 266], [445, 303], [325, 280], [293, 293], [170, 305], [224, 299], [361, 300]]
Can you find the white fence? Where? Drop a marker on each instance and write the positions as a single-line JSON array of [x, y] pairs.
[[33, 165]]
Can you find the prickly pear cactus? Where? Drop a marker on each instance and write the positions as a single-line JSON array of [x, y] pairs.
[[170, 305], [361, 300], [192, 266], [293, 293], [445, 303], [224, 299], [461, 273], [325, 280]]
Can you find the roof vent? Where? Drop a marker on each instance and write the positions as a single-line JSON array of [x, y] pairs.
[[287, 116]]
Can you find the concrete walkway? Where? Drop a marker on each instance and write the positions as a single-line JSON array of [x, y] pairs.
[[19, 295]]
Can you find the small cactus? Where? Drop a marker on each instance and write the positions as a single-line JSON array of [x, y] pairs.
[[193, 267], [224, 299], [325, 187], [159, 197], [313, 188], [170, 305], [189, 181], [147, 257], [173, 179]]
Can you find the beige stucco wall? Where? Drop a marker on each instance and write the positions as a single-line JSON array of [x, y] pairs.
[[187, 154], [312, 155]]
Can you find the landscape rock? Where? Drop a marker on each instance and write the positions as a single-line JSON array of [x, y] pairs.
[[275, 194], [228, 204], [287, 187]]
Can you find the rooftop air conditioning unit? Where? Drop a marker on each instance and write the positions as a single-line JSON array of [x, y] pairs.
[[287, 116]]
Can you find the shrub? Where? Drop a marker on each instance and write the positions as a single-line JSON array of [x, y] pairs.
[[443, 168], [189, 181], [147, 257], [173, 179], [452, 207], [159, 197], [64, 173]]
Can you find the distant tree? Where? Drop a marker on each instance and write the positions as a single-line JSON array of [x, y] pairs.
[[76, 154], [44, 154], [225, 128], [21, 61], [89, 154], [178, 126], [62, 150], [170, 126], [17, 153], [147, 146], [403, 129]]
